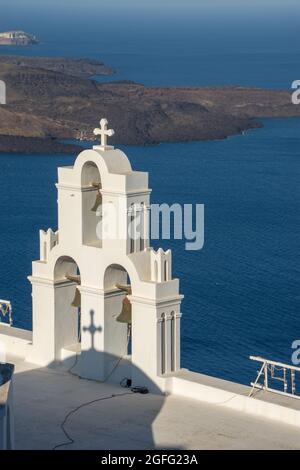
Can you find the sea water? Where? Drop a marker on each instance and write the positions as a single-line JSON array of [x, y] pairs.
[[241, 289]]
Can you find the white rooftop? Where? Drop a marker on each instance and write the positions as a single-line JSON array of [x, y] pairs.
[[44, 396]]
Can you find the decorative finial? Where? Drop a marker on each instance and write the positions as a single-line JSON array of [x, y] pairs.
[[104, 133]]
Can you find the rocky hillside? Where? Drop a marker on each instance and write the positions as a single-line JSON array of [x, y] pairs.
[[47, 103]]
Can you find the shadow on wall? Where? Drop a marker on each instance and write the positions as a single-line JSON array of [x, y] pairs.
[[56, 409]]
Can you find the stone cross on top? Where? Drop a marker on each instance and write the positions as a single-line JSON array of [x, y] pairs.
[[104, 133]]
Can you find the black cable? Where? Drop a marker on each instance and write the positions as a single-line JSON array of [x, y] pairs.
[[62, 426], [113, 369], [72, 367], [132, 391]]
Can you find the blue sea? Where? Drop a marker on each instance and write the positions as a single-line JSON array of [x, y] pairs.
[[242, 289]]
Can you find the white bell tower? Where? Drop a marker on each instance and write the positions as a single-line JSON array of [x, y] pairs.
[[102, 241]]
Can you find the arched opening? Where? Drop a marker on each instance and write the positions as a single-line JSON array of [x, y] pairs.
[[172, 341], [67, 317], [142, 227], [91, 204], [163, 342], [131, 231], [165, 278], [118, 314]]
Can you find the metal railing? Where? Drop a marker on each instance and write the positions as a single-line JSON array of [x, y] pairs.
[[272, 370], [6, 311]]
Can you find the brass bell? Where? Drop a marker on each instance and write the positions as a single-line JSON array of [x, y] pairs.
[[125, 315], [77, 299], [76, 302]]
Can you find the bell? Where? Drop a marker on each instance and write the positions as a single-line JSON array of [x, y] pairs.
[[98, 202], [77, 299], [125, 315]]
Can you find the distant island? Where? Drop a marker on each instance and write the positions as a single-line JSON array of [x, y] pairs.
[[84, 68], [52, 99], [17, 38]]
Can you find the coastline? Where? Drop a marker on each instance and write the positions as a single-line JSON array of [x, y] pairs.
[[63, 102], [29, 145]]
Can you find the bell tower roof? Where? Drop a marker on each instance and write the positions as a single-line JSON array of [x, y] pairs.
[[112, 164]]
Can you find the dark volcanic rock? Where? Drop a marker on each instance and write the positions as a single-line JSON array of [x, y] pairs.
[[29, 145], [49, 104], [83, 68]]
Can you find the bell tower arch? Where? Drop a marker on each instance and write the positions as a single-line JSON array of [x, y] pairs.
[[91, 203], [117, 282]]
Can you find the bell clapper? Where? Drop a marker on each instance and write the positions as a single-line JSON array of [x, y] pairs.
[[98, 201]]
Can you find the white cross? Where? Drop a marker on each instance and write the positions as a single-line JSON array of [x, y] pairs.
[[104, 133]]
